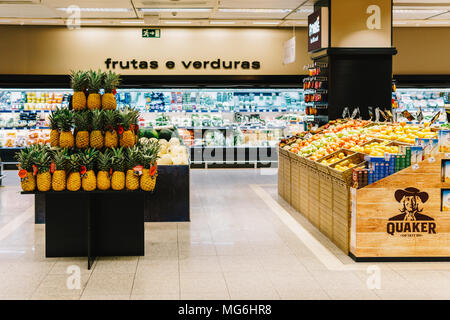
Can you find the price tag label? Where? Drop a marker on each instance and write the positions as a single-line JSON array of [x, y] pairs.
[[415, 166], [431, 159]]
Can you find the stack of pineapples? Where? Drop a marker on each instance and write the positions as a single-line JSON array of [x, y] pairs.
[[101, 151]]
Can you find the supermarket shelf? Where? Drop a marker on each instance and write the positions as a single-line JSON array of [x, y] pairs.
[[232, 127], [224, 111], [25, 111], [23, 128]]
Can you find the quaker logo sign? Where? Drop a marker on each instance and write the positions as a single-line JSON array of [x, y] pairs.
[[412, 220]]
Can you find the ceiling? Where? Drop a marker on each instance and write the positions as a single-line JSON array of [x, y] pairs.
[[249, 13]]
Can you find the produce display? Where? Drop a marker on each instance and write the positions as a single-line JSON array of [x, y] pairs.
[[374, 150], [96, 146]]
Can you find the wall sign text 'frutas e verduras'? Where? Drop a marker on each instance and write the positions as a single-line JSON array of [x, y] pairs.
[[187, 64]]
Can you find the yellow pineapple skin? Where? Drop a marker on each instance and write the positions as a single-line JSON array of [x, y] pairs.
[[132, 180], [96, 139], [94, 101], [59, 180], [103, 180], [54, 138], [109, 102], [79, 101], [147, 182], [118, 180], [89, 181], [44, 181], [66, 139], [111, 139], [82, 140], [29, 184], [127, 139], [74, 181]]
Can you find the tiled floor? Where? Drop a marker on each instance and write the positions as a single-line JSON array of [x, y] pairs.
[[242, 243]]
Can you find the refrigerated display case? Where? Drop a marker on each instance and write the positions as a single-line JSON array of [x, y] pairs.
[[207, 118], [428, 100]]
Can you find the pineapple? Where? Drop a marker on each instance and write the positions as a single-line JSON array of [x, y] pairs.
[[94, 83], [103, 166], [78, 84], [59, 176], [111, 138], [25, 157], [149, 157], [74, 178], [54, 133], [65, 121], [89, 180], [128, 119], [82, 121], [111, 82], [133, 159], [118, 166], [96, 138], [44, 177]]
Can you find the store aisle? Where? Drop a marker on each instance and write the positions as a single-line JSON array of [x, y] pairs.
[[242, 243]]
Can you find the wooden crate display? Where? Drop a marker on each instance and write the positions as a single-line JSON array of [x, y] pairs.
[[323, 167], [281, 161], [341, 214], [381, 209], [295, 181], [325, 204], [304, 189], [287, 179], [313, 199], [346, 176]]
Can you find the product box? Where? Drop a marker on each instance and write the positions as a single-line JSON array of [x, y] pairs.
[[444, 141], [416, 154]]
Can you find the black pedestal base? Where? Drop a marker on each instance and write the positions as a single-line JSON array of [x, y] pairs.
[[91, 224]]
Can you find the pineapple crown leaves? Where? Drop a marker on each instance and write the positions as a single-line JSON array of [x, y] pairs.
[[133, 157], [73, 162], [150, 154], [65, 120], [88, 158], [118, 159], [111, 81], [128, 117], [104, 160], [60, 158], [25, 158], [53, 119], [43, 160], [94, 80], [82, 120], [111, 118], [98, 120], [78, 80]]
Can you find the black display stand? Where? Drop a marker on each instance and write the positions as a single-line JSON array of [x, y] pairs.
[[170, 201], [358, 77], [91, 224]]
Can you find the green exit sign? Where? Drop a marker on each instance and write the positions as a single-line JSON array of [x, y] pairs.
[[151, 33]]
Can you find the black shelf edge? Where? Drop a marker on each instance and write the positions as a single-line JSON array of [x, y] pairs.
[[160, 81], [397, 259]]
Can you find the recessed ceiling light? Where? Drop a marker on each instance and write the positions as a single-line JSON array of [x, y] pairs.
[[71, 9], [222, 22], [256, 10], [44, 21], [436, 22], [417, 11], [91, 21], [132, 22], [175, 9], [177, 22], [266, 22], [4, 20], [304, 10]]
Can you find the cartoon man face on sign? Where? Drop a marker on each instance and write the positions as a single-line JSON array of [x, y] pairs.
[[411, 200]]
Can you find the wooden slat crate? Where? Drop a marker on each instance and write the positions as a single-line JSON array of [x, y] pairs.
[[281, 161], [341, 214], [314, 198], [295, 182], [287, 179], [304, 189]]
